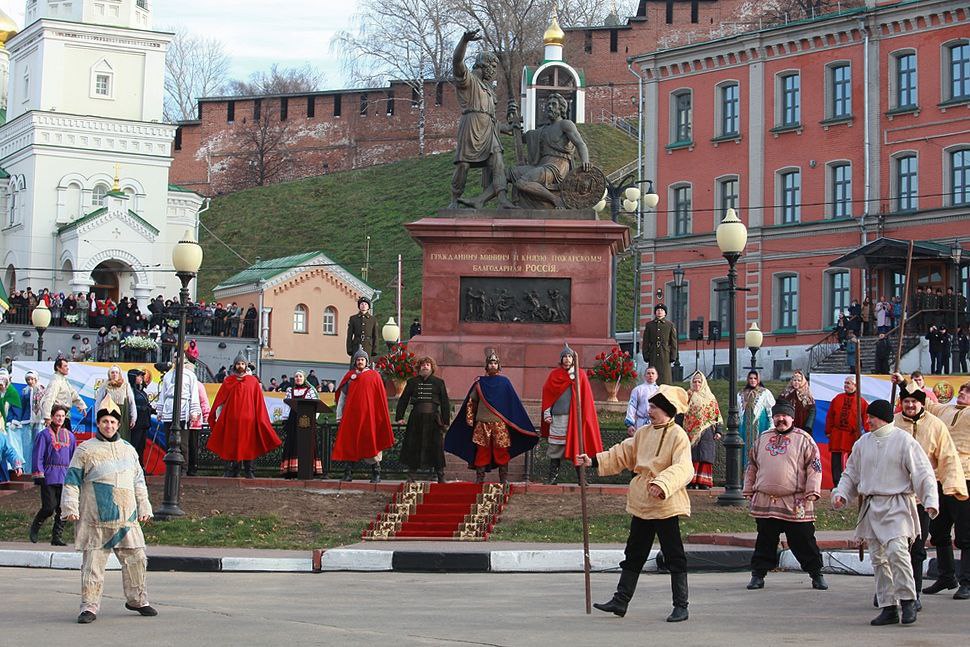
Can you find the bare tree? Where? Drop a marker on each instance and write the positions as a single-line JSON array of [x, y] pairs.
[[195, 66], [589, 13], [259, 150], [403, 40], [279, 80]]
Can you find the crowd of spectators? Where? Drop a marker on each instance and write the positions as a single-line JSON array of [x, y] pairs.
[[87, 310]]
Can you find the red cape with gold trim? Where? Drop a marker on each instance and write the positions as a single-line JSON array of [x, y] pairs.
[[241, 430], [365, 426], [556, 384]]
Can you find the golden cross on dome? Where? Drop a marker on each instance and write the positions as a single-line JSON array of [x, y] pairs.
[[117, 185]]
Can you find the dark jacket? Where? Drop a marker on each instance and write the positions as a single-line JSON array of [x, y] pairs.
[[362, 331]]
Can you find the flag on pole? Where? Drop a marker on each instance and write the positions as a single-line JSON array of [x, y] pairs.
[[4, 301]]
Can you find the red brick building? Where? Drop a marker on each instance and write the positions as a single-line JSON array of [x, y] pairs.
[[323, 132], [825, 135]]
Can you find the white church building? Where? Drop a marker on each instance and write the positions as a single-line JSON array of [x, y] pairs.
[[85, 153]]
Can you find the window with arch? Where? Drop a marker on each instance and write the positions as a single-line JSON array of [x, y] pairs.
[[840, 189], [957, 70], [958, 162], [680, 117], [728, 195], [26, 85], [837, 284], [786, 286], [12, 206], [300, 319], [904, 80], [906, 180], [839, 89], [789, 192], [788, 101], [681, 196], [330, 321], [97, 194], [729, 110]]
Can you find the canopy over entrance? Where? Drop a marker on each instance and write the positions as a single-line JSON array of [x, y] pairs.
[[890, 253]]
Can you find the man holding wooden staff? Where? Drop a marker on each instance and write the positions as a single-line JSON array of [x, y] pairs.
[[561, 423], [659, 456]]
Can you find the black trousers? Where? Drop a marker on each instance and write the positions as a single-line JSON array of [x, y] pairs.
[[954, 516], [801, 539], [963, 362], [917, 550], [640, 542], [836, 467], [50, 502]]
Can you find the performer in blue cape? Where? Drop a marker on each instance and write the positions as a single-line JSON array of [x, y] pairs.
[[492, 426]]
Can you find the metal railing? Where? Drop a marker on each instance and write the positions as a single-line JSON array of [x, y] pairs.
[[621, 123], [823, 348]]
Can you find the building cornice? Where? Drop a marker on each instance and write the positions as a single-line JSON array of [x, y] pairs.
[[89, 35], [793, 39]]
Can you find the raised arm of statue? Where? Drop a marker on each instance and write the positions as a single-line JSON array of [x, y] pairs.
[[458, 60]]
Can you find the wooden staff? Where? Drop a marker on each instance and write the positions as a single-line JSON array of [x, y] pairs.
[[901, 329], [578, 400], [858, 402]]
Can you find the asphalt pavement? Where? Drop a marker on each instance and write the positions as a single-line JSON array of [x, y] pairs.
[[403, 609]]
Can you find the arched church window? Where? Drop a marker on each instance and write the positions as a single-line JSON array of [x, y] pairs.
[[330, 321], [300, 318], [97, 195]]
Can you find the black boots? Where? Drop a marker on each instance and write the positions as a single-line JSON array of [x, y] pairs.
[[818, 582], [909, 611], [375, 473], [624, 591], [963, 593], [57, 532], [440, 475], [678, 586], [757, 582], [86, 617], [146, 610], [554, 464], [479, 475], [347, 475], [887, 616], [248, 469], [946, 566], [35, 528], [503, 473], [231, 470]]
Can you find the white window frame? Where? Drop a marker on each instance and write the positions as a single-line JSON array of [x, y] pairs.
[[330, 321], [97, 197], [102, 69], [300, 319]]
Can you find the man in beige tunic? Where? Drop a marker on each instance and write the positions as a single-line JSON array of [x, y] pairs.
[[933, 436], [954, 514], [105, 493], [888, 469], [60, 391]]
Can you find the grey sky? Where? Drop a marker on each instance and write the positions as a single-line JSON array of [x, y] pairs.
[[255, 33]]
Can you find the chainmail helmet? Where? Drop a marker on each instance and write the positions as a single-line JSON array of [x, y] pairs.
[[240, 358], [491, 354], [566, 351], [359, 353]]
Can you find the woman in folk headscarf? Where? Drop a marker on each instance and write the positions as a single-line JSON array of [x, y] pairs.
[[31, 421], [799, 395], [290, 465], [120, 391], [701, 424], [755, 402]]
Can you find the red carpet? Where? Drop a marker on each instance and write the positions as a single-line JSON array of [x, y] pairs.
[[459, 511]]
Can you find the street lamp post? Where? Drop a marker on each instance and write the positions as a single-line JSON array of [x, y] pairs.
[[677, 371], [753, 339], [732, 236], [41, 318], [623, 196], [186, 258]]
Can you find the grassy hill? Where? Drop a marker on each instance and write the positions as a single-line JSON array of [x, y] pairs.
[[335, 213]]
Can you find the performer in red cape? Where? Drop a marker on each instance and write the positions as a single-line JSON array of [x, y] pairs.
[[241, 430], [363, 420], [559, 421]]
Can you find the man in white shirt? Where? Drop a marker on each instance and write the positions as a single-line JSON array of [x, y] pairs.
[[636, 411], [190, 409]]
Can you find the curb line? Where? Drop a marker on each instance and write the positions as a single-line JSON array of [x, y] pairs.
[[407, 561]]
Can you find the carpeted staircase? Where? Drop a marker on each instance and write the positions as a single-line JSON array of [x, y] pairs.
[[451, 511]]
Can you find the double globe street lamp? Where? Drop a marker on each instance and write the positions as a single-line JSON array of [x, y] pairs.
[[732, 236], [186, 258]]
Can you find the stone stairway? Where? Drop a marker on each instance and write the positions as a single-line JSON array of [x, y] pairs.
[[837, 361]]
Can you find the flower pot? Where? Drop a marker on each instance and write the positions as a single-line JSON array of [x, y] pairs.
[[399, 384], [612, 388]]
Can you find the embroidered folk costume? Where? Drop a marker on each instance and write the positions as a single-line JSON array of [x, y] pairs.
[[10, 454], [888, 469], [104, 492], [659, 457], [492, 426], [29, 424], [52, 453], [755, 402], [423, 444], [783, 480], [363, 421], [121, 393], [290, 464], [560, 423], [701, 424], [798, 394]]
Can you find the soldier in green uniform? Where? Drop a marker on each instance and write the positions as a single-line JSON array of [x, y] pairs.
[[660, 344], [362, 330]]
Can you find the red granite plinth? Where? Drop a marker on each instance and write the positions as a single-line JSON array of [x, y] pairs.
[[497, 246]]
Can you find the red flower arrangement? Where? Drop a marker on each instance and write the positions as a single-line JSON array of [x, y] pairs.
[[399, 363], [615, 366]]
